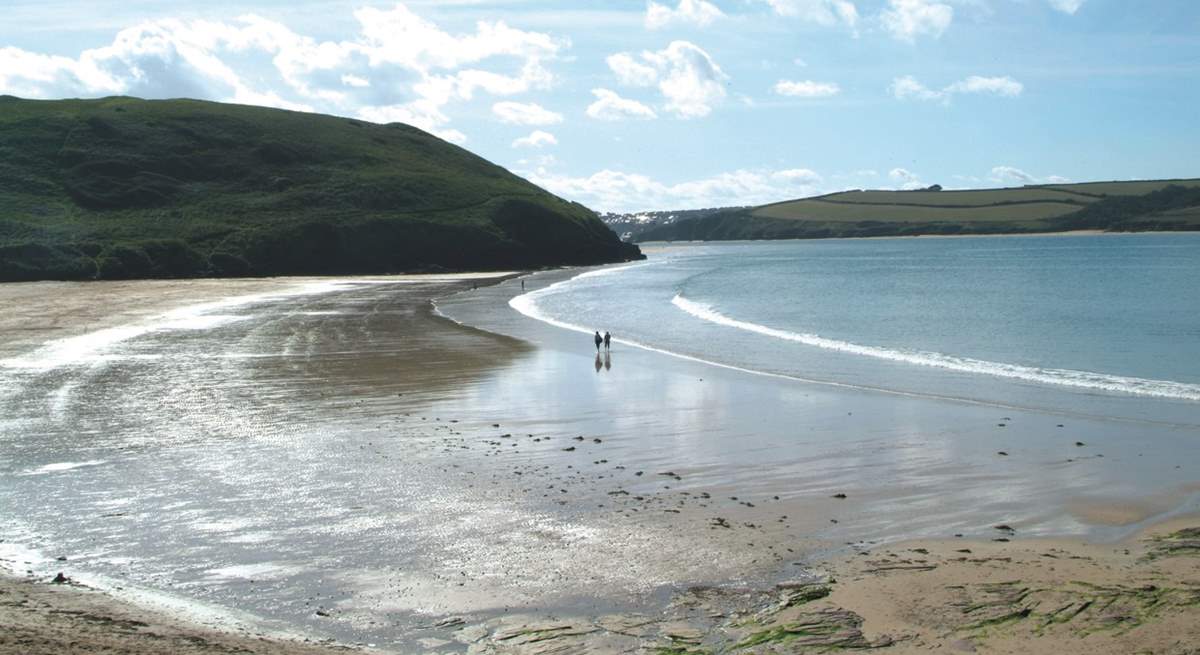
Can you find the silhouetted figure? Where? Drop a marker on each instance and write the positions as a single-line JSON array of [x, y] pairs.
[[522, 285], [599, 363], [607, 361], [607, 339], [599, 340]]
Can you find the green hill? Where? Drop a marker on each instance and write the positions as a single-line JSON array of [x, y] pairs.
[[128, 188], [1113, 206]]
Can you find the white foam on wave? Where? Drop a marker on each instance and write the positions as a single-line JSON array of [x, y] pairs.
[[527, 304], [1055, 376]]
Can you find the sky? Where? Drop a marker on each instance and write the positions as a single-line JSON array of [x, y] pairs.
[[675, 104]]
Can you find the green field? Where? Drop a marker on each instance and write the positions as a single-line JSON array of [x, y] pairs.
[[121, 187], [1117, 206], [1132, 188], [822, 210], [969, 198]]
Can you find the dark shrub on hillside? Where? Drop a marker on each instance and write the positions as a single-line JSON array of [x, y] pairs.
[[33, 261]]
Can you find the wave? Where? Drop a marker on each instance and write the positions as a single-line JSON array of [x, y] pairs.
[[1054, 376], [526, 303]]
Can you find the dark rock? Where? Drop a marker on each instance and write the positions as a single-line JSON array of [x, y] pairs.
[[839, 496]]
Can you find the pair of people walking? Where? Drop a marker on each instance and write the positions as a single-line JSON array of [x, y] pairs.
[[606, 340]]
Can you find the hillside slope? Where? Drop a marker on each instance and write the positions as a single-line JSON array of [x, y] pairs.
[[124, 188], [1114, 206]]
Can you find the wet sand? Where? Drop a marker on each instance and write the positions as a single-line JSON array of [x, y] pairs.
[[449, 489], [42, 618]]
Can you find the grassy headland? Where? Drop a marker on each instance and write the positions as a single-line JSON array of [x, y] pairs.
[[129, 188], [1112, 206]]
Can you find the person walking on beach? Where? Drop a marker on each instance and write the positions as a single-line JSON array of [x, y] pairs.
[[599, 340], [607, 339]]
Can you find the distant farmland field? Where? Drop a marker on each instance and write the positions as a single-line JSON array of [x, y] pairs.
[[822, 210], [1114, 206], [959, 198], [1135, 188]]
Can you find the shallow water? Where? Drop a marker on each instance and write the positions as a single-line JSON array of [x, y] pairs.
[[1094, 324]]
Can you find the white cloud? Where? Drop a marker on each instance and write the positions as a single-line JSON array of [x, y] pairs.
[[1013, 175], [908, 19], [610, 190], [611, 107], [396, 66], [806, 89], [695, 12], [525, 113], [1000, 86], [822, 12], [1066, 6], [908, 88], [797, 175], [687, 77], [907, 179], [630, 71], [536, 139]]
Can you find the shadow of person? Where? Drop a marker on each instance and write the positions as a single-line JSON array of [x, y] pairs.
[[607, 361], [599, 364]]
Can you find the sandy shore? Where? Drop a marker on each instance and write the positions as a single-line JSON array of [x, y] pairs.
[[38, 617], [585, 519], [1037, 596], [1051, 596]]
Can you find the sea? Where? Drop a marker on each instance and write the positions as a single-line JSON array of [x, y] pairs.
[[1102, 325]]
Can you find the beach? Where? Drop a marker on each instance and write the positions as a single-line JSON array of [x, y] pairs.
[[333, 459]]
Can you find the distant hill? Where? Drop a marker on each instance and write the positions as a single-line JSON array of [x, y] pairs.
[[128, 188], [1113, 206], [631, 225]]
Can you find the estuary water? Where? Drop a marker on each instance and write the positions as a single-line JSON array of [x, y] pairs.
[[1102, 325]]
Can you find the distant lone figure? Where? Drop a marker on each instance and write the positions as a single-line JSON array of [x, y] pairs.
[[599, 340], [607, 339]]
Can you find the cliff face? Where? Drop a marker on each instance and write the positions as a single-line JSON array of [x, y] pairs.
[[127, 188]]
